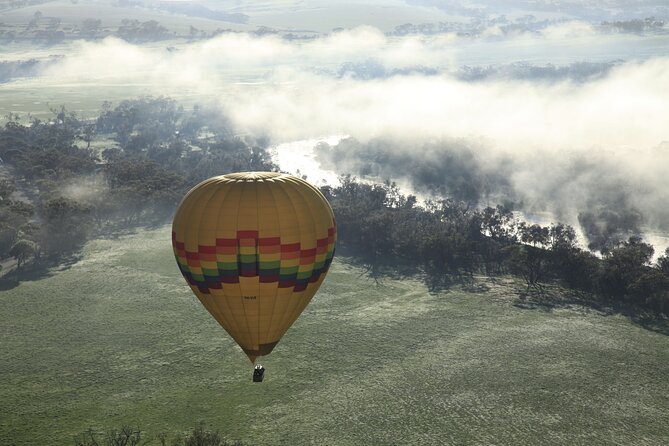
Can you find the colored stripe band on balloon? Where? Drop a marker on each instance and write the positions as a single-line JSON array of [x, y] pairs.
[[240, 257]]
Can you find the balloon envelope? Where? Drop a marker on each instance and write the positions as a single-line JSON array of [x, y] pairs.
[[254, 247]]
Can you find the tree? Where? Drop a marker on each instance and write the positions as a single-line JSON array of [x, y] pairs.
[[496, 223], [623, 266], [23, 250], [7, 188], [651, 289], [606, 228], [663, 262], [22, 208], [562, 237], [529, 263], [142, 188], [126, 436], [535, 235], [13, 216], [87, 134], [90, 27], [66, 227]]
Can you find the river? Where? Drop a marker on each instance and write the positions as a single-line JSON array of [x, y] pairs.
[[299, 158]]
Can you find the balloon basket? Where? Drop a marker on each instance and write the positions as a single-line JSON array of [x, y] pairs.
[[258, 374]]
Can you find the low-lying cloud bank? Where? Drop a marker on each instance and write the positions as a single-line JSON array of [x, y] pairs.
[[562, 43], [593, 138], [623, 112], [599, 193]]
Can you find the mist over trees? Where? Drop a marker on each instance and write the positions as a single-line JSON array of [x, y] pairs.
[[576, 71], [10, 69], [596, 193], [579, 72], [68, 180], [449, 168], [148, 152]]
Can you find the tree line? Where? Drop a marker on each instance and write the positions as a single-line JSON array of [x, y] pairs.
[[131, 436], [449, 240], [132, 164], [128, 167]]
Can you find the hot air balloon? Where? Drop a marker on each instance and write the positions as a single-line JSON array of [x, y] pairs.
[[254, 247]]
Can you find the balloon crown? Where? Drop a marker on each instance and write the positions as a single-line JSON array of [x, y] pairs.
[[253, 176]]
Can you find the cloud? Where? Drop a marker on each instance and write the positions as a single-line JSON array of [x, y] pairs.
[[565, 145], [626, 109]]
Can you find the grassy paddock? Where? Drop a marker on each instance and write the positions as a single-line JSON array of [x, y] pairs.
[[117, 338], [36, 97]]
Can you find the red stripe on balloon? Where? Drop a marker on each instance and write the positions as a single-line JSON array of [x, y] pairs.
[[269, 241]]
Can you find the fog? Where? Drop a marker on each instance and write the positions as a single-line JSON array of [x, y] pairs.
[[566, 119], [299, 90]]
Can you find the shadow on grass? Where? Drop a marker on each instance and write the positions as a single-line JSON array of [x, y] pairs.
[[36, 271], [115, 232], [553, 297], [546, 297], [652, 322], [436, 281], [44, 268]]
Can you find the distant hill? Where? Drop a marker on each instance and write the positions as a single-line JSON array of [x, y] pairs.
[[197, 10]]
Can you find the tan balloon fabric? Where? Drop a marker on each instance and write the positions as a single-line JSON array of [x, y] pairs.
[[254, 248]]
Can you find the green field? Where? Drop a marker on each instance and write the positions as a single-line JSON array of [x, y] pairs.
[[118, 338], [36, 97]]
